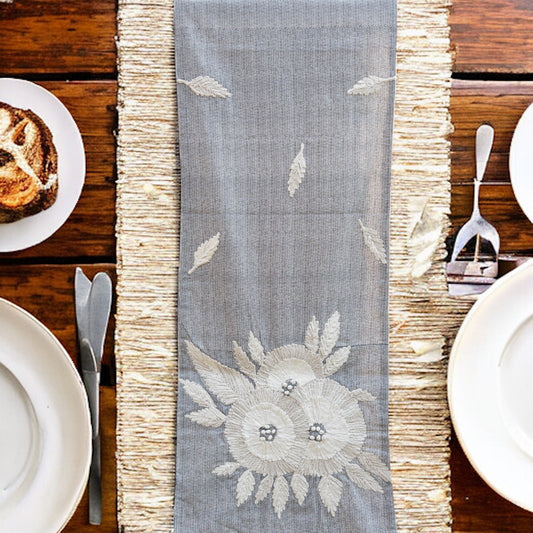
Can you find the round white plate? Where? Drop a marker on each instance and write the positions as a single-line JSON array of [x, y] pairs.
[[32, 230], [490, 386], [45, 432], [521, 162]]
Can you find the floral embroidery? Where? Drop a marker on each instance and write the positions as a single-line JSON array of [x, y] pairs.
[[206, 86], [369, 85], [205, 252], [374, 243], [286, 420]]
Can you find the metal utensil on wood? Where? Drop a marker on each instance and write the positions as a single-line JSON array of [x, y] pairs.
[[477, 226]]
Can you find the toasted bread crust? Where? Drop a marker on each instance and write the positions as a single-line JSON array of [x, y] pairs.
[[28, 184]]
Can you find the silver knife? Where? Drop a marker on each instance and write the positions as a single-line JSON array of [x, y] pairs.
[[93, 306], [91, 381]]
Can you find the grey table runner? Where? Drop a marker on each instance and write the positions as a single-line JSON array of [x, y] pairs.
[[285, 122]]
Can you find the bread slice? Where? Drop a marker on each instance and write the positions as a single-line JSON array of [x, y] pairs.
[[28, 164]]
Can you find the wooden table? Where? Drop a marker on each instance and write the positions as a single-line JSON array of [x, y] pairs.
[[69, 48]]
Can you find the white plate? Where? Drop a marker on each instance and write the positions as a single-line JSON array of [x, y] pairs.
[[521, 162], [490, 386], [32, 230], [45, 433]]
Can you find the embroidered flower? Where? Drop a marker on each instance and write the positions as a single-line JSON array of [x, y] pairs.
[[266, 432], [287, 368], [336, 428], [286, 420]]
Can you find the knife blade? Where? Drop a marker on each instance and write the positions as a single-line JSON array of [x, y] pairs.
[[91, 381], [98, 311]]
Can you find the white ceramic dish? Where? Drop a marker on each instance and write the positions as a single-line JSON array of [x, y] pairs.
[[521, 162], [45, 443], [490, 386], [71, 164]]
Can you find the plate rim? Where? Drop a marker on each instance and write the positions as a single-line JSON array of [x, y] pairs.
[[80, 489], [82, 163], [526, 208], [496, 287]]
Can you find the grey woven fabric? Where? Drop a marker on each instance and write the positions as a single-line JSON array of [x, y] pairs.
[[285, 118]]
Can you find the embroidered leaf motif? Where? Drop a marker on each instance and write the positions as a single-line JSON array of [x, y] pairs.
[[265, 486], [311, 336], [206, 86], [227, 384], [369, 85], [372, 463], [363, 395], [197, 393], [362, 478], [226, 469], [429, 351], [374, 242], [245, 486], [205, 252], [330, 335], [297, 171], [300, 487], [280, 495], [330, 490], [210, 417], [255, 347], [335, 361], [246, 366]]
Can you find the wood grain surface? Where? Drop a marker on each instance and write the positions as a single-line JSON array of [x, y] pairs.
[[89, 231], [47, 292], [58, 36], [492, 35]]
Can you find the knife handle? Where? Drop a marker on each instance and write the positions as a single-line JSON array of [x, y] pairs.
[[95, 485]]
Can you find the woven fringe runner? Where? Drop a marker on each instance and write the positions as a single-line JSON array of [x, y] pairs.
[[147, 240]]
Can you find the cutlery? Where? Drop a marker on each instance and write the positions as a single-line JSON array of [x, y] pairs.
[[477, 226], [93, 306]]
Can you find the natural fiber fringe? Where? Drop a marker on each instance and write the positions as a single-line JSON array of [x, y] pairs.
[[420, 309], [147, 235], [147, 241]]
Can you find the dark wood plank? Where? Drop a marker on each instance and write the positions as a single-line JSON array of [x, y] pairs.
[[54, 36], [47, 291], [498, 205], [472, 103], [476, 507], [492, 36], [90, 229]]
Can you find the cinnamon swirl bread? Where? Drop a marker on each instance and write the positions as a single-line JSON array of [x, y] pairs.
[[28, 164]]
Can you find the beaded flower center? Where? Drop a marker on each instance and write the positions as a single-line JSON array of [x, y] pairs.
[[288, 386], [268, 432], [317, 431]]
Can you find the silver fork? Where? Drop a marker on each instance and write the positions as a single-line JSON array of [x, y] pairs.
[[477, 226]]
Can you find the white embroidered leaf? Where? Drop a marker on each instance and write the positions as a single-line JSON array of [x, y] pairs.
[[227, 384], [362, 395], [257, 353], [206, 86], [336, 360], [280, 495], [210, 417], [245, 486], [300, 487], [297, 171], [197, 393], [373, 464], [311, 336], [330, 335], [362, 479], [205, 252], [369, 85], [428, 351], [226, 469], [330, 490], [264, 488], [246, 366], [374, 242]]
